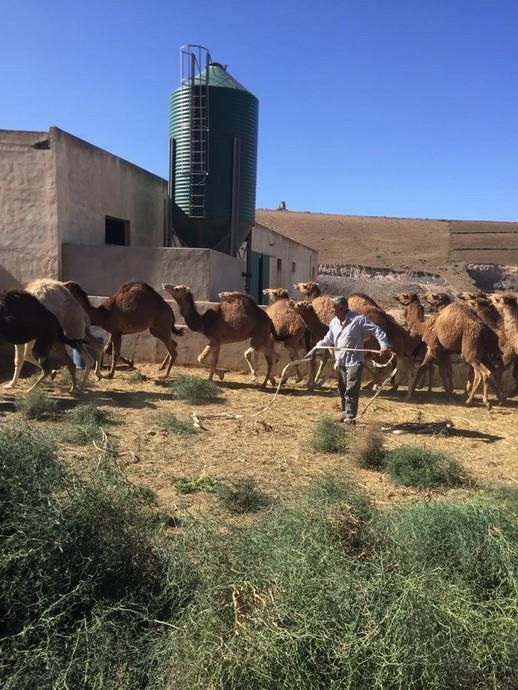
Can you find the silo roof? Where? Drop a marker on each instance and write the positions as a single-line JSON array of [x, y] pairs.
[[218, 76]]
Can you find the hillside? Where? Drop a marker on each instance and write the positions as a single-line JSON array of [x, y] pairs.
[[401, 244]]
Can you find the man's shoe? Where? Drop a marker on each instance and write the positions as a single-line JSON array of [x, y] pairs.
[[348, 420]]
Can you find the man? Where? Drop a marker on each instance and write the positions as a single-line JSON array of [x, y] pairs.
[[348, 329]]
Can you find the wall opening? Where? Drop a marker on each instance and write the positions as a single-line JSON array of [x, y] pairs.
[[116, 231]]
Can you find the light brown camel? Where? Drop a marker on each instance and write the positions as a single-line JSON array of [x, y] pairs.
[[322, 304], [507, 306], [455, 330], [437, 300], [324, 311], [24, 319], [134, 308], [234, 319], [481, 306], [73, 320], [290, 326], [402, 341]]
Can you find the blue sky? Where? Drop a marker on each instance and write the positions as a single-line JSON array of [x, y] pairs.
[[375, 107]]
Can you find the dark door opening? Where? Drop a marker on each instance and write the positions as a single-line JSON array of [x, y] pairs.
[[116, 231]]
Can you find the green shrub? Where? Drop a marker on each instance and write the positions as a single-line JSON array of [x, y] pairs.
[[328, 437], [418, 466], [85, 578], [303, 600], [36, 405], [243, 497], [194, 390], [201, 483], [83, 424], [171, 424], [367, 449]]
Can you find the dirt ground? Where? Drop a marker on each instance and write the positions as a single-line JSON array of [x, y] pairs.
[[273, 448]]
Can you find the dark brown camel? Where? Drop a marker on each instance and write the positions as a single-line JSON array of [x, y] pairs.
[[134, 308], [24, 319]]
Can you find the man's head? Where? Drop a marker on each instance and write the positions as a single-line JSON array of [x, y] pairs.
[[340, 307]]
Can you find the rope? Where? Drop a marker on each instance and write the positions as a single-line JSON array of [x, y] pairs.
[[334, 349]]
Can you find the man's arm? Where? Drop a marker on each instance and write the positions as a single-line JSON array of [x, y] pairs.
[[370, 328]]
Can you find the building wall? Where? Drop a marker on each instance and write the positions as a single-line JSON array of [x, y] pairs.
[[93, 184], [28, 209], [290, 254], [101, 270]]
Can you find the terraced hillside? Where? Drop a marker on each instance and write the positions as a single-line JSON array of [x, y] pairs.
[[403, 244]]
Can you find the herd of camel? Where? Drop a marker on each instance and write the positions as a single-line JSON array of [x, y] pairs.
[[481, 328]]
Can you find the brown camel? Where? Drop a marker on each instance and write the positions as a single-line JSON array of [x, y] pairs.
[[134, 308], [290, 327], [437, 300], [24, 319], [481, 306], [507, 306], [403, 343], [455, 330], [322, 304], [234, 319]]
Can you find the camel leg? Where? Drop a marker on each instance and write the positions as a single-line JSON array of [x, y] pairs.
[[477, 378], [294, 355], [89, 362], [61, 349], [311, 375], [171, 348], [116, 350], [249, 356], [320, 379], [213, 360], [20, 354], [427, 359], [271, 358]]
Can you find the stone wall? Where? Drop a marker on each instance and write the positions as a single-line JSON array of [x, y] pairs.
[[101, 270]]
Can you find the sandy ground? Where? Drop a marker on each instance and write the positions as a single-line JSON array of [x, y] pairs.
[[273, 448]]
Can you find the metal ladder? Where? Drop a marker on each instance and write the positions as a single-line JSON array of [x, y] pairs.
[[194, 124]]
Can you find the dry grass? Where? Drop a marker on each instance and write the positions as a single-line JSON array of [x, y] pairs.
[[273, 449]]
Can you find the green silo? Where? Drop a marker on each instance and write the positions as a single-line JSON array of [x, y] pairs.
[[213, 131]]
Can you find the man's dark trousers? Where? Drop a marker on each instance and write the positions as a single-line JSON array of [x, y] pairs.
[[349, 382]]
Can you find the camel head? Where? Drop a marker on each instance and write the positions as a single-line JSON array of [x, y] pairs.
[[177, 292], [301, 306], [500, 300], [406, 298], [309, 288], [469, 296], [437, 300], [275, 294], [230, 294], [77, 292]]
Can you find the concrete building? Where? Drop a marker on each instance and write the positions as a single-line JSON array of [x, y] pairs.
[[72, 211], [278, 261]]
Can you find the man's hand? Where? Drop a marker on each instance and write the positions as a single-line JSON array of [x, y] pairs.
[[385, 350]]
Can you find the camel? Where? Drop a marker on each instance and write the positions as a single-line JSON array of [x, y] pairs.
[[322, 304], [73, 320], [234, 319], [507, 306], [289, 326], [485, 310], [135, 307], [24, 319], [437, 300], [454, 329], [403, 342]]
